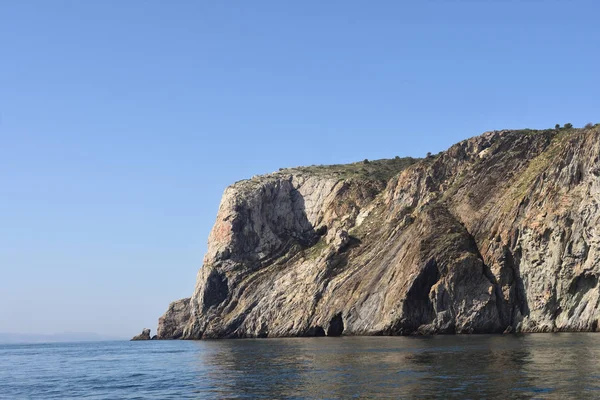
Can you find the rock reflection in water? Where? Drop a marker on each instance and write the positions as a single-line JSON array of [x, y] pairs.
[[478, 366]]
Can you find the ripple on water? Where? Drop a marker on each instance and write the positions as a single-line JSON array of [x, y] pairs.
[[491, 366]]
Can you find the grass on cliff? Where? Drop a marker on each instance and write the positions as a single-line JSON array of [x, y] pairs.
[[315, 251], [528, 131], [536, 165], [381, 170], [539, 164]]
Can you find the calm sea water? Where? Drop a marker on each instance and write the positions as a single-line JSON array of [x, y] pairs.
[[478, 366]]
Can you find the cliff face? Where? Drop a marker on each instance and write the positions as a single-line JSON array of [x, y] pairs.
[[497, 233]]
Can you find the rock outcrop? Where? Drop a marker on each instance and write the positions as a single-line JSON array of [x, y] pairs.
[[498, 233], [171, 324], [145, 335]]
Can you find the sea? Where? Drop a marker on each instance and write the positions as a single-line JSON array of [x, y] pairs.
[[553, 366]]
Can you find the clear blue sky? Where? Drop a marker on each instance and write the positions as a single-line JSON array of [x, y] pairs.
[[121, 122]]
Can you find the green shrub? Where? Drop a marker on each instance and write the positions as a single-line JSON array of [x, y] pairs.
[[568, 126]]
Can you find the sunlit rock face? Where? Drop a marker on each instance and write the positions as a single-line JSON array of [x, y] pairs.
[[171, 324], [498, 233]]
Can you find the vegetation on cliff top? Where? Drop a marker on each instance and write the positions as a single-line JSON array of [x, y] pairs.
[[381, 170], [384, 169]]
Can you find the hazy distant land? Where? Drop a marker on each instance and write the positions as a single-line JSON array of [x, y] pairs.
[[8, 337]]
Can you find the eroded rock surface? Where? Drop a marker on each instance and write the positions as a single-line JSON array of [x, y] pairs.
[[498, 233], [145, 335], [171, 324]]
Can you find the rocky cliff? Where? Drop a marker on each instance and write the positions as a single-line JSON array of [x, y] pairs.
[[498, 233]]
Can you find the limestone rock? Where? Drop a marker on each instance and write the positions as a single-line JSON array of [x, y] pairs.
[[170, 325], [496, 234], [145, 335]]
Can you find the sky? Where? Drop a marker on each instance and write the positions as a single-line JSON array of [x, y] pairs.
[[122, 122]]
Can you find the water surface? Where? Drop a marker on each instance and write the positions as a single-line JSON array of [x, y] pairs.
[[563, 365]]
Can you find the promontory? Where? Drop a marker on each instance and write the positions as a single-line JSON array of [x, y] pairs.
[[500, 233]]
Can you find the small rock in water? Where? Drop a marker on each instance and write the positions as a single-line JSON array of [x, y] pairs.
[[145, 335]]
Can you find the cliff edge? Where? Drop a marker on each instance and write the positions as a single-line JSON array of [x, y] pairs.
[[498, 233]]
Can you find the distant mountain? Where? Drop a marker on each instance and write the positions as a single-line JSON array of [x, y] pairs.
[[8, 337]]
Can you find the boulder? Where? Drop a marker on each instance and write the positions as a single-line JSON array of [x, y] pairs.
[[145, 335]]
